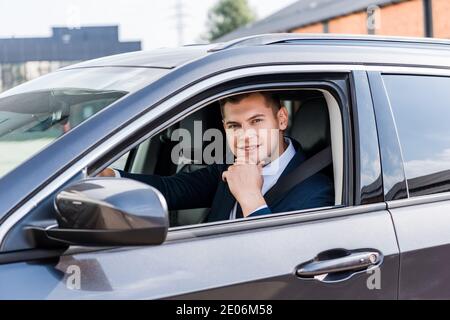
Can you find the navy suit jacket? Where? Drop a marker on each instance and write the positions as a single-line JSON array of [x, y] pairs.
[[204, 188]]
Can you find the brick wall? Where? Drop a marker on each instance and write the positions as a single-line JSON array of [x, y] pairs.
[[313, 28], [441, 18], [354, 23], [402, 19]]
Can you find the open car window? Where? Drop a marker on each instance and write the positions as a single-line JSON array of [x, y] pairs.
[[314, 122]]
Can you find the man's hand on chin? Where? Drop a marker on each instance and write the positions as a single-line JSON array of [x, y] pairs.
[[108, 172], [245, 182]]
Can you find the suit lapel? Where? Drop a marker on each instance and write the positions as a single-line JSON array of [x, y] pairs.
[[222, 204], [298, 158]]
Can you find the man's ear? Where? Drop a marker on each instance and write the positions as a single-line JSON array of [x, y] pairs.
[[283, 118]]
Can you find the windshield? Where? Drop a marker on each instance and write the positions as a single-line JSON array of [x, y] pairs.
[[36, 113]]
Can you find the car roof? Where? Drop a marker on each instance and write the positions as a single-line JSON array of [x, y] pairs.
[[170, 58], [303, 38], [165, 58]]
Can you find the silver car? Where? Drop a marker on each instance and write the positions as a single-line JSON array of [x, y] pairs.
[[381, 104]]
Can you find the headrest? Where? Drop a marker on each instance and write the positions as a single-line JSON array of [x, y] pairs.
[[311, 125]]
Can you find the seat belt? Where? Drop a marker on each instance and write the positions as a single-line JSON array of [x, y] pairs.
[[305, 170]]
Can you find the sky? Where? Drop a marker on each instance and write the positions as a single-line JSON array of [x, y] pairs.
[[151, 21]]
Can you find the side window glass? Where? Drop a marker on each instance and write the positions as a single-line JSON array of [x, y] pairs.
[[121, 162], [421, 109]]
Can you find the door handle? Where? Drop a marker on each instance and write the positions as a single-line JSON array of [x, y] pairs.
[[341, 260]]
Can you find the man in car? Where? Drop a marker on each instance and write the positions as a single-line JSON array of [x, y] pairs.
[[254, 123]]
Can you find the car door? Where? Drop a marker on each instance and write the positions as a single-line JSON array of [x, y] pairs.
[[347, 251], [419, 118], [241, 260]]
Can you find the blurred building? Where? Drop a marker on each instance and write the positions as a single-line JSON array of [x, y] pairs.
[[23, 59], [415, 18]]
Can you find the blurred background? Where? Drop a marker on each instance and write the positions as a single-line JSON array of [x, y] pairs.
[[37, 37]]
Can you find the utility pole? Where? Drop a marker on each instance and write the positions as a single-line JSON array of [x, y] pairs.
[[179, 16]]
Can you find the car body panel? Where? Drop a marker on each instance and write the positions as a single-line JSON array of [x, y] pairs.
[[227, 266], [158, 58], [422, 222], [424, 239]]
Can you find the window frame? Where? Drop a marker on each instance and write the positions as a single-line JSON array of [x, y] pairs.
[[206, 98], [366, 142], [396, 121], [103, 151], [346, 173], [383, 109]]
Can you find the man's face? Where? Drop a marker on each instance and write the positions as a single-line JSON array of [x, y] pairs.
[[254, 129]]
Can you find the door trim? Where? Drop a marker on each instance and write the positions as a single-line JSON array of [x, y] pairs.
[[219, 228], [274, 220]]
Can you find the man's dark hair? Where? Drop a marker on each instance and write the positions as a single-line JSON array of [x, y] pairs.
[[272, 100]]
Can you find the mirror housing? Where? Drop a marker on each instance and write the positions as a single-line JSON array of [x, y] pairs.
[[110, 212]]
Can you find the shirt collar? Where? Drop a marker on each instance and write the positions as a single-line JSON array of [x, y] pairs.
[[277, 166]]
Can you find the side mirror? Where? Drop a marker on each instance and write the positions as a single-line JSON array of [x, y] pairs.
[[110, 212]]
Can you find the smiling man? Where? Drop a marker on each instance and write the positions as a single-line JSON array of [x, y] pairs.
[[254, 123]]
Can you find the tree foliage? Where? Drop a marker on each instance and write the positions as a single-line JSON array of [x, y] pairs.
[[228, 15]]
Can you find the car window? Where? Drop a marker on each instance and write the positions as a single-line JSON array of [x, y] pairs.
[[199, 140], [36, 113], [421, 108], [121, 163]]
